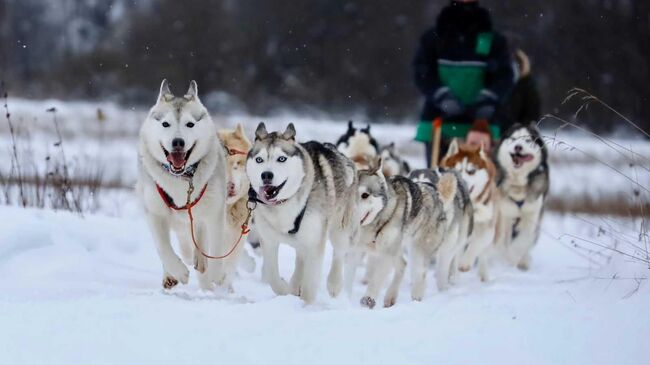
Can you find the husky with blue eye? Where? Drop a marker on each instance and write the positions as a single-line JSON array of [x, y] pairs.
[[305, 194], [523, 182], [178, 150]]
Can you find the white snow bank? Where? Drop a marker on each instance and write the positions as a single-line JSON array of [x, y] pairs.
[[87, 290]]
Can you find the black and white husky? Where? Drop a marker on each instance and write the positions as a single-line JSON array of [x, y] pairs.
[[523, 181], [306, 192], [178, 146], [358, 145]]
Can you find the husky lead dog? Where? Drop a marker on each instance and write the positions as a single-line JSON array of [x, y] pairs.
[[306, 191], [237, 146], [523, 182], [395, 213], [358, 145], [478, 172], [393, 162], [177, 146]]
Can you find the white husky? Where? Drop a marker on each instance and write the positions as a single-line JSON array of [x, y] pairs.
[[178, 148]]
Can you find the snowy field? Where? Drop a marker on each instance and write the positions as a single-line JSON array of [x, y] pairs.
[[87, 289], [582, 168]]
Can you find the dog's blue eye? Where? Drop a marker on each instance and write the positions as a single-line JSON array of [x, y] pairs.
[[165, 124], [282, 159], [259, 160], [189, 125]]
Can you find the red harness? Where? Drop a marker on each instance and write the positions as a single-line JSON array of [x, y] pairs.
[[232, 152], [170, 202]]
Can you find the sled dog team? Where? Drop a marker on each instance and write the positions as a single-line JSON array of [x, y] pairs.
[[202, 184]]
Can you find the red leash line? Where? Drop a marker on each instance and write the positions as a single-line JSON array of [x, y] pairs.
[[244, 231], [189, 205]]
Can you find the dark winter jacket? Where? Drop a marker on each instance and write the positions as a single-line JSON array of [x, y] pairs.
[[524, 102], [456, 40]]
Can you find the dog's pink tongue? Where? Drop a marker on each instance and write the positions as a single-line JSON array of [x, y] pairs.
[[177, 159], [526, 158]]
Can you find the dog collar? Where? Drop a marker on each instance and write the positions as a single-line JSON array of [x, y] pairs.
[[252, 197], [519, 203], [187, 173], [169, 202]]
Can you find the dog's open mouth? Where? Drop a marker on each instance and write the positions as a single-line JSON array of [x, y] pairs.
[[519, 158], [177, 159], [270, 192]]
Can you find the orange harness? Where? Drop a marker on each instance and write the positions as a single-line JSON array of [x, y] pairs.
[[190, 204]]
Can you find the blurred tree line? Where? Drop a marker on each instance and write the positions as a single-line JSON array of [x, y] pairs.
[[340, 57]]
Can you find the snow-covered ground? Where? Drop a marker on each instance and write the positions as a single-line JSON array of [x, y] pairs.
[[87, 289]]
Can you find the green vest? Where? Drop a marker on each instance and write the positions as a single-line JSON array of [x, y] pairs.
[[465, 79]]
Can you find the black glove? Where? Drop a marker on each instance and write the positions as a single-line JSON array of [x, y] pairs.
[[444, 100], [485, 105]]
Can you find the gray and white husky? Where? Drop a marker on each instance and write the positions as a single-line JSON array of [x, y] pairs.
[[462, 207], [396, 214], [393, 163], [177, 146], [523, 182], [305, 192]]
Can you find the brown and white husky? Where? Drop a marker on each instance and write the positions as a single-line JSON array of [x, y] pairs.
[[478, 171], [237, 146]]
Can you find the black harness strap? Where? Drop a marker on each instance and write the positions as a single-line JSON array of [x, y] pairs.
[[298, 221]]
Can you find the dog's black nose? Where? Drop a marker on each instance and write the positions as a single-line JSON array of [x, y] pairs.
[[518, 148], [178, 144], [267, 177]]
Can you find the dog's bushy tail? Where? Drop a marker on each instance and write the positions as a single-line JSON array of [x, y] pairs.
[[447, 187]]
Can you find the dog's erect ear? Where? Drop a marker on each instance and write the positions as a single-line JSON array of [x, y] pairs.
[[165, 94], [481, 152], [222, 134], [260, 132], [239, 130], [350, 125], [192, 91], [289, 133], [376, 166], [453, 148], [366, 130]]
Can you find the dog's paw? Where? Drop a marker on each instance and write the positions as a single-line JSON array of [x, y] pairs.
[[523, 265], [295, 290], [169, 282], [368, 302], [199, 263], [280, 287], [464, 268], [416, 298], [178, 271], [334, 288], [389, 301]]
